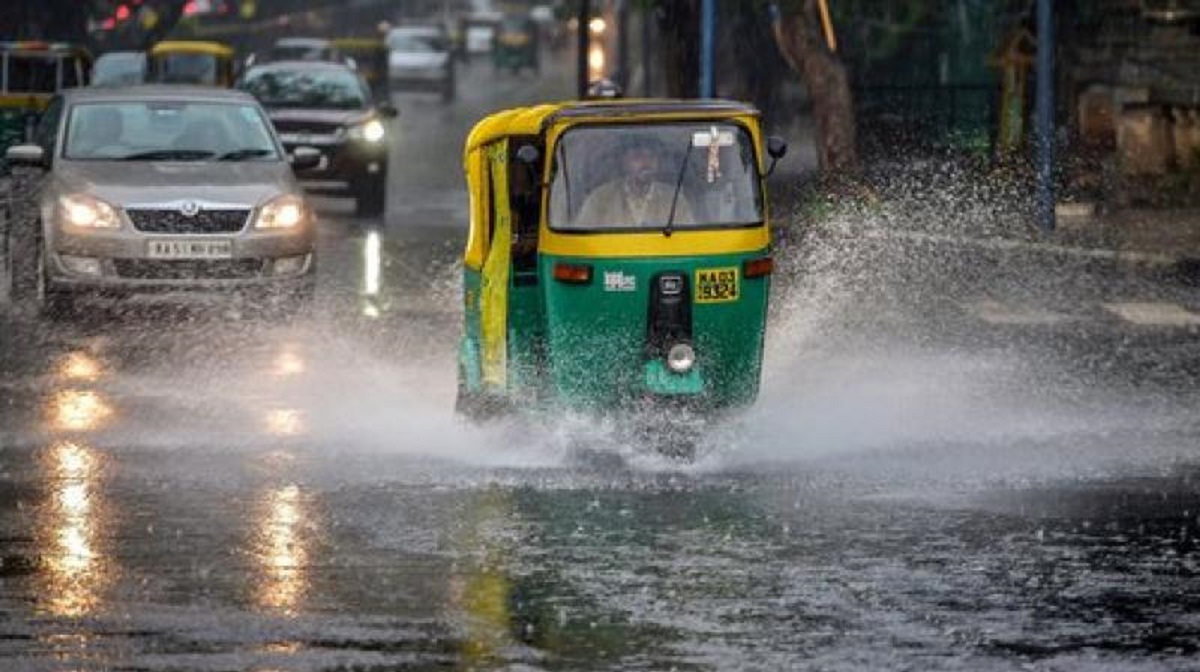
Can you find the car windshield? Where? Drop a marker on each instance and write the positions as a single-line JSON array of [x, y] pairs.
[[312, 89], [186, 69], [159, 131], [626, 177]]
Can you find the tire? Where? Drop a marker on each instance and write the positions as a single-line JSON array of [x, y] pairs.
[[371, 197]]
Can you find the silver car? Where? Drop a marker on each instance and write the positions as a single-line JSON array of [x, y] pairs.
[[153, 189]]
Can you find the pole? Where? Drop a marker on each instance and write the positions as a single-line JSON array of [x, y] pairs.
[[623, 44], [647, 51], [708, 26], [1044, 116], [585, 13]]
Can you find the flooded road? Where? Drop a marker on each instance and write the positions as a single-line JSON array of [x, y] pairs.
[[952, 479]]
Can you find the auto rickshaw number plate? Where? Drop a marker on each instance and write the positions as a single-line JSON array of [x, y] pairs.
[[717, 285]]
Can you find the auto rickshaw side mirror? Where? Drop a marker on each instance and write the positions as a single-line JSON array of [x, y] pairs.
[[528, 155], [26, 156], [776, 149], [305, 158]]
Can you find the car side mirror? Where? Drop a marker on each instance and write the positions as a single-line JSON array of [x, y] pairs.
[[388, 111], [26, 156], [305, 158], [776, 149]]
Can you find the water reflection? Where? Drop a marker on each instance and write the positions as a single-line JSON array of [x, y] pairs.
[[289, 362], [285, 422], [75, 410], [282, 545], [79, 366], [70, 525]]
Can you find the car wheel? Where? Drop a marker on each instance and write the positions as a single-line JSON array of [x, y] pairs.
[[371, 197]]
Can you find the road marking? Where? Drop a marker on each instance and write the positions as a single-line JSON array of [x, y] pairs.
[[994, 312], [1154, 314]]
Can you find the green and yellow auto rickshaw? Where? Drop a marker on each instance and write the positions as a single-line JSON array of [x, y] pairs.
[[516, 45], [190, 62], [31, 73], [618, 257]]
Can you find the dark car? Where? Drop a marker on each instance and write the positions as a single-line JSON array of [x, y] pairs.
[[329, 107]]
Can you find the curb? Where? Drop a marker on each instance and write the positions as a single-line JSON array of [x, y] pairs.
[[1134, 258]]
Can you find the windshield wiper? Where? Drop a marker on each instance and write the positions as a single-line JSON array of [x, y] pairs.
[[670, 227], [243, 154], [169, 155]]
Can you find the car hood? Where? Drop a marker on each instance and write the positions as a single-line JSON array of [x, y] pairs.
[[126, 183], [331, 117]]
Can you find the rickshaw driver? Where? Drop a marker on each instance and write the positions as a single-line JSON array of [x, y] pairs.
[[635, 198]]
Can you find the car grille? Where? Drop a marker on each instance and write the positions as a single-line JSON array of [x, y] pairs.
[[307, 127], [188, 269], [174, 221]]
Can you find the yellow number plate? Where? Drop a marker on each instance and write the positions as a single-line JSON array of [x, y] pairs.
[[717, 285]]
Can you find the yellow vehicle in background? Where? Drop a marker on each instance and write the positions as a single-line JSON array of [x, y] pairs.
[[31, 73], [190, 62], [370, 56]]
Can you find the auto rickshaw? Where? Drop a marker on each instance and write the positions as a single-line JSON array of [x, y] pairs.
[[618, 257], [516, 45], [190, 62], [370, 56], [31, 73]]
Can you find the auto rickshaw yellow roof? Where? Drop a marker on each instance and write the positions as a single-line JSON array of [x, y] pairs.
[[192, 47], [536, 119]]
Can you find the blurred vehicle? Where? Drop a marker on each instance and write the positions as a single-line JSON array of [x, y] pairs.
[[119, 68], [329, 107], [550, 27], [31, 73], [479, 32], [301, 49], [159, 188], [516, 45], [370, 56], [190, 62], [619, 259], [419, 58]]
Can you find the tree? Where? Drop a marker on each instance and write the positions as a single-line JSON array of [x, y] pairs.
[[800, 39]]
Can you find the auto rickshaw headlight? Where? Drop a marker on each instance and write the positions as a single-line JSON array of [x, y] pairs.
[[88, 212], [681, 358], [284, 212], [371, 131]]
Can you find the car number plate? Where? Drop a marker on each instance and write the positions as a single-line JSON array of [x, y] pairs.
[[717, 285], [190, 249]]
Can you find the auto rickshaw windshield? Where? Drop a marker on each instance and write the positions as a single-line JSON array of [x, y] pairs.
[[669, 175], [187, 69]]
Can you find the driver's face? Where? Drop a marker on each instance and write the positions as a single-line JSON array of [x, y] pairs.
[[640, 164]]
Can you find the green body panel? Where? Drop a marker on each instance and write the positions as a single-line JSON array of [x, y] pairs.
[[595, 339], [469, 348], [659, 380], [526, 334]]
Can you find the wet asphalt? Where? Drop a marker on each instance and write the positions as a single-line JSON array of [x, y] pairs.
[[923, 485]]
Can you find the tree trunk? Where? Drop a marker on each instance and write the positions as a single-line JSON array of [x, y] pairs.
[[802, 45]]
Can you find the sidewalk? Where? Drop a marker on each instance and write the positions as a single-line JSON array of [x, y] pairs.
[[1155, 237]]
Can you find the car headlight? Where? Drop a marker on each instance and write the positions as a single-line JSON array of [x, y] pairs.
[[681, 358], [88, 212], [283, 212], [371, 131]]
